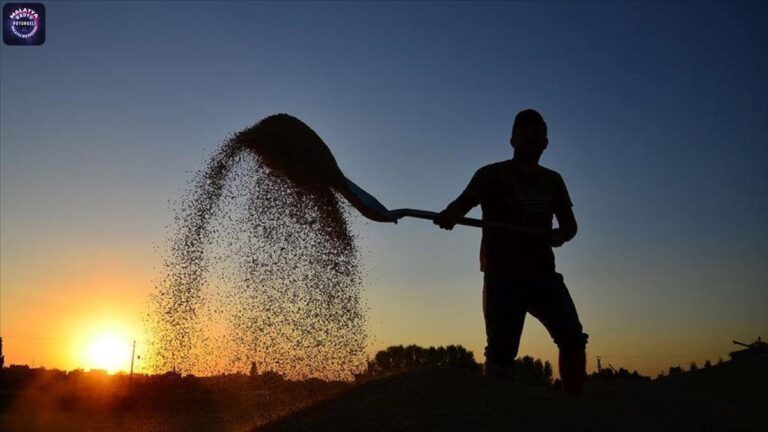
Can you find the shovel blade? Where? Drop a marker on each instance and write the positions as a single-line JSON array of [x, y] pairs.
[[366, 203]]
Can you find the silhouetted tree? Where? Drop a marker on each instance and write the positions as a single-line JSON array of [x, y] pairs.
[[694, 367], [271, 378], [707, 364], [675, 370], [621, 373], [548, 369], [2, 357], [533, 371], [401, 358]]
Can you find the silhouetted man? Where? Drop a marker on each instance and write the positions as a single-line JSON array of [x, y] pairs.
[[519, 268]]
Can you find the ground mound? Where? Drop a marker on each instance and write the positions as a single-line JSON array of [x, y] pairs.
[[730, 396]]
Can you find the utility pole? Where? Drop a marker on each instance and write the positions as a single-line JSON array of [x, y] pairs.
[[133, 355]]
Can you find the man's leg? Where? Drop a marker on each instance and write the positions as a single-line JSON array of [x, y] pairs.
[[504, 310], [554, 307]]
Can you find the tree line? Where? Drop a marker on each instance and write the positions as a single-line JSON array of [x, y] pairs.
[[400, 358]]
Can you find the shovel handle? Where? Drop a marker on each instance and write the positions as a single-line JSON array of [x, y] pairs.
[[424, 214]]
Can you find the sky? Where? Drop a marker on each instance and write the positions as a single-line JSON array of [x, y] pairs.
[[657, 115]]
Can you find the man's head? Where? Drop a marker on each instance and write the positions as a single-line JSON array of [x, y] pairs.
[[529, 134]]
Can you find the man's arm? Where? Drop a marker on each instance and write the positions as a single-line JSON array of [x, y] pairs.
[[447, 218], [566, 221], [566, 227]]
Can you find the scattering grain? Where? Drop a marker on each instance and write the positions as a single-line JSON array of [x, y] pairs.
[[261, 264]]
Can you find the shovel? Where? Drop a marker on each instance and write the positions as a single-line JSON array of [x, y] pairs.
[[290, 147], [372, 209]]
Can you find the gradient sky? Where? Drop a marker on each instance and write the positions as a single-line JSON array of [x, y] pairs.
[[658, 119]]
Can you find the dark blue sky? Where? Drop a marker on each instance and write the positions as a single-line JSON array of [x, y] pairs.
[[658, 118]]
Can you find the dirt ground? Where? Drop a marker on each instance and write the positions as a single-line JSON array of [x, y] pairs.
[[728, 397]]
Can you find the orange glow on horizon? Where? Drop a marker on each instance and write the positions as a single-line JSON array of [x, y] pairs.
[[109, 351], [104, 342]]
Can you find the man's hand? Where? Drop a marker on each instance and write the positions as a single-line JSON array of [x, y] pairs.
[[445, 220], [556, 238], [566, 227]]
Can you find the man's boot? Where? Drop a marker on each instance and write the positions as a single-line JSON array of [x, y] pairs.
[[573, 370]]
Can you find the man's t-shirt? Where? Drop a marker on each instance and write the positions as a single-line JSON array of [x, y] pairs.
[[511, 194]]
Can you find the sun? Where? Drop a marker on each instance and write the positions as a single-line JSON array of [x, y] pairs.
[[110, 352]]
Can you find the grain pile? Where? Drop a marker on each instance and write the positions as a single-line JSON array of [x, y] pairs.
[[261, 265]]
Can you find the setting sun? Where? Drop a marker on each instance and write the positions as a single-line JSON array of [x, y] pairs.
[[110, 352]]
